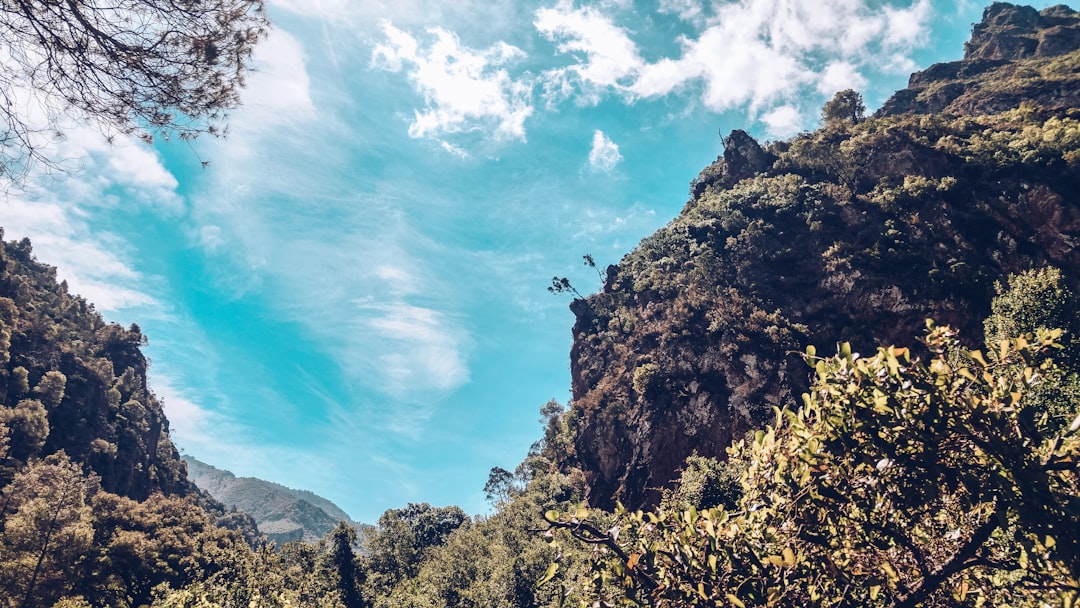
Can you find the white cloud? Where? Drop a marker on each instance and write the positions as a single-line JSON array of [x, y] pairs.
[[191, 426], [687, 10], [764, 55], [598, 222], [278, 91], [88, 261], [56, 210], [784, 121], [126, 164], [610, 58], [604, 154], [419, 350], [457, 151], [839, 76], [463, 88], [760, 55], [907, 26]]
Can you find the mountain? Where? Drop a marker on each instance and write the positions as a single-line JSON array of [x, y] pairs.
[[856, 232], [282, 514]]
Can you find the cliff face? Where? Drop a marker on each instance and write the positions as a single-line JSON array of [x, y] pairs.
[[69, 381], [1015, 53], [857, 232]]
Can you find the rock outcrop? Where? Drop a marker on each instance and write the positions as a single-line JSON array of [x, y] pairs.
[[858, 232], [1015, 54]]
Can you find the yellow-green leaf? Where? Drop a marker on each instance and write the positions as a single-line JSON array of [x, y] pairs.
[[552, 570], [789, 557]]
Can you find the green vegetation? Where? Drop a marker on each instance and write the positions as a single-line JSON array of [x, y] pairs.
[[847, 105], [940, 475], [855, 233], [896, 483]]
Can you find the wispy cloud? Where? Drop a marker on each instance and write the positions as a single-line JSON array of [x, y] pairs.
[[56, 210], [604, 155], [334, 255], [194, 428], [88, 260], [463, 88], [418, 349], [687, 10]]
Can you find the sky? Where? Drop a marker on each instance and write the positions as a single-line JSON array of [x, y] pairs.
[[350, 298]]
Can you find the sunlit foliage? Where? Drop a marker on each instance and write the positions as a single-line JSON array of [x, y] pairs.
[[897, 482]]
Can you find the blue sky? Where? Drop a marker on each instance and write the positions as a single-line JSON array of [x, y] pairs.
[[351, 298]]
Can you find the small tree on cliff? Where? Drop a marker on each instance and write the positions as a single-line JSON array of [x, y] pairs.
[[845, 106]]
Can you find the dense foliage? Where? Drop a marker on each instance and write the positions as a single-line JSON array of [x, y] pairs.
[[943, 474], [856, 232], [898, 482]]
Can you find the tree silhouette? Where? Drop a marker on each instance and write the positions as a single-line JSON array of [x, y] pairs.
[[128, 66]]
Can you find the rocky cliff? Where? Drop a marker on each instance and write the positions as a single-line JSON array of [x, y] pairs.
[[1015, 53], [857, 232]]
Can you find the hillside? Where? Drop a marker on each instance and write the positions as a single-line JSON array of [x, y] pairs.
[[94, 499], [282, 514], [856, 232], [74, 383]]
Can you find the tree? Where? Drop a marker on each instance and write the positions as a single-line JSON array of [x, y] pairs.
[[28, 424], [343, 565], [845, 106], [500, 485], [1027, 303], [129, 66], [403, 537], [45, 525], [897, 483], [705, 483], [50, 389], [166, 540]]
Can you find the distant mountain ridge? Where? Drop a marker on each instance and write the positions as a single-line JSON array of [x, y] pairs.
[[283, 514]]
